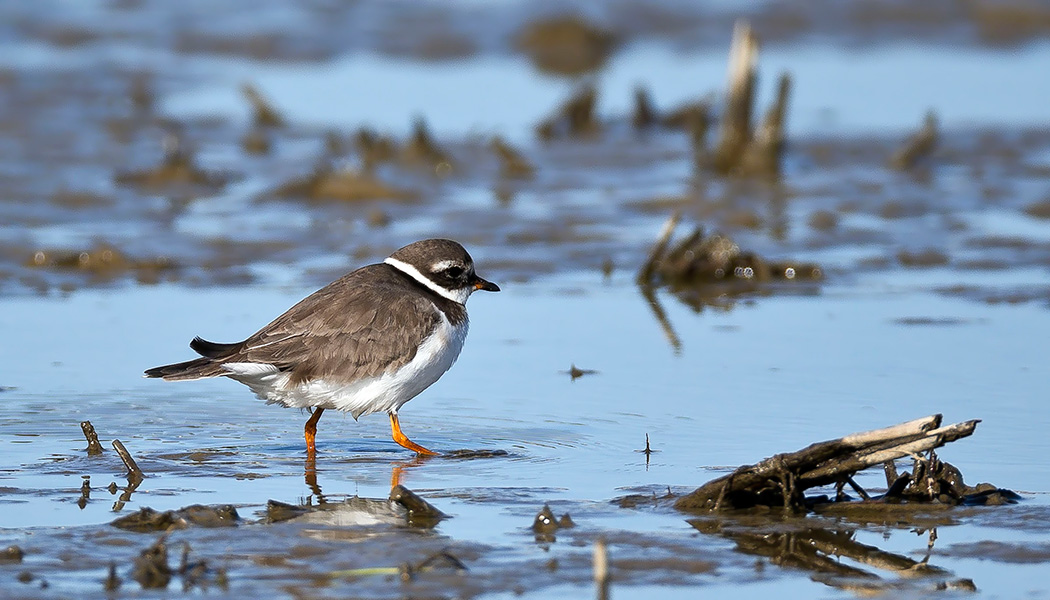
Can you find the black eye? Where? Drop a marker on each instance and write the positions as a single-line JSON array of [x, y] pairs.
[[454, 272]]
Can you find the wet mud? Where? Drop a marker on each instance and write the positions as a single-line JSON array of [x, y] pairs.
[[107, 189]]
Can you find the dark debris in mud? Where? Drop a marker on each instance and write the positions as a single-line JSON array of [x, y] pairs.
[[419, 512], [575, 372], [147, 519], [467, 454], [345, 185], [545, 525], [177, 173], [566, 45], [151, 570], [11, 554], [102, 262], [706, 269], [574, 118]]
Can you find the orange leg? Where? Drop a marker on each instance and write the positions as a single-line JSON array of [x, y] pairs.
[[311, 431], [402, 439]]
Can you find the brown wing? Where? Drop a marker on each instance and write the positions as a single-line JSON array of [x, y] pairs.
[[345, 330]]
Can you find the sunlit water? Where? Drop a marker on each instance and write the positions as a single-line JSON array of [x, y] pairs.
[[767, 376]]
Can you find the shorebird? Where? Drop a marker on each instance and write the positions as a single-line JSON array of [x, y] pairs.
[[368, 342]]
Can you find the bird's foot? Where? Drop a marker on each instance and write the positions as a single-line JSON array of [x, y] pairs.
[[404, 442]]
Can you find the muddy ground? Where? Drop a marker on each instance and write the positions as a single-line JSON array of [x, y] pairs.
[[144, 200]]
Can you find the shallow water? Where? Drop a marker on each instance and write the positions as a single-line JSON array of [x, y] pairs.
[[748, 382]]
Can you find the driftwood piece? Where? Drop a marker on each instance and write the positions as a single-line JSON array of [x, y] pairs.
[[832, 470], [574, 118], [736, 122], [782, 478], [701, 259], [742, 149], [135, 474], [513, 164], [762, 156], [422, 150], [918, 147], [420, 512], [645, 275], [644, 111], [93, 447], [263, 113]]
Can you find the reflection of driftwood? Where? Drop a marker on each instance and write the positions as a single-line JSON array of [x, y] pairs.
[[665, 324], [135, 476], [151, 570], [781, 479], [407, 571], [601, 568], [821, 552], [709, 271]]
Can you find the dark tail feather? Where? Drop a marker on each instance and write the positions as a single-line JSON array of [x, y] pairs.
[[198, 368], [213, 349]]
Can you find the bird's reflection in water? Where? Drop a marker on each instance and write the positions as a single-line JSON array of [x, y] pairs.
[[398, 469], [400, 508], [397, 472], [310, 476]]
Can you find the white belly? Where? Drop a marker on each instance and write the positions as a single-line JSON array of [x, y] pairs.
[[384, 393]]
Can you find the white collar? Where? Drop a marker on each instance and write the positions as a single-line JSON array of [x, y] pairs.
[[459, 295]]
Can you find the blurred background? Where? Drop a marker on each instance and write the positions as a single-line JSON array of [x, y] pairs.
[[207, 143]]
